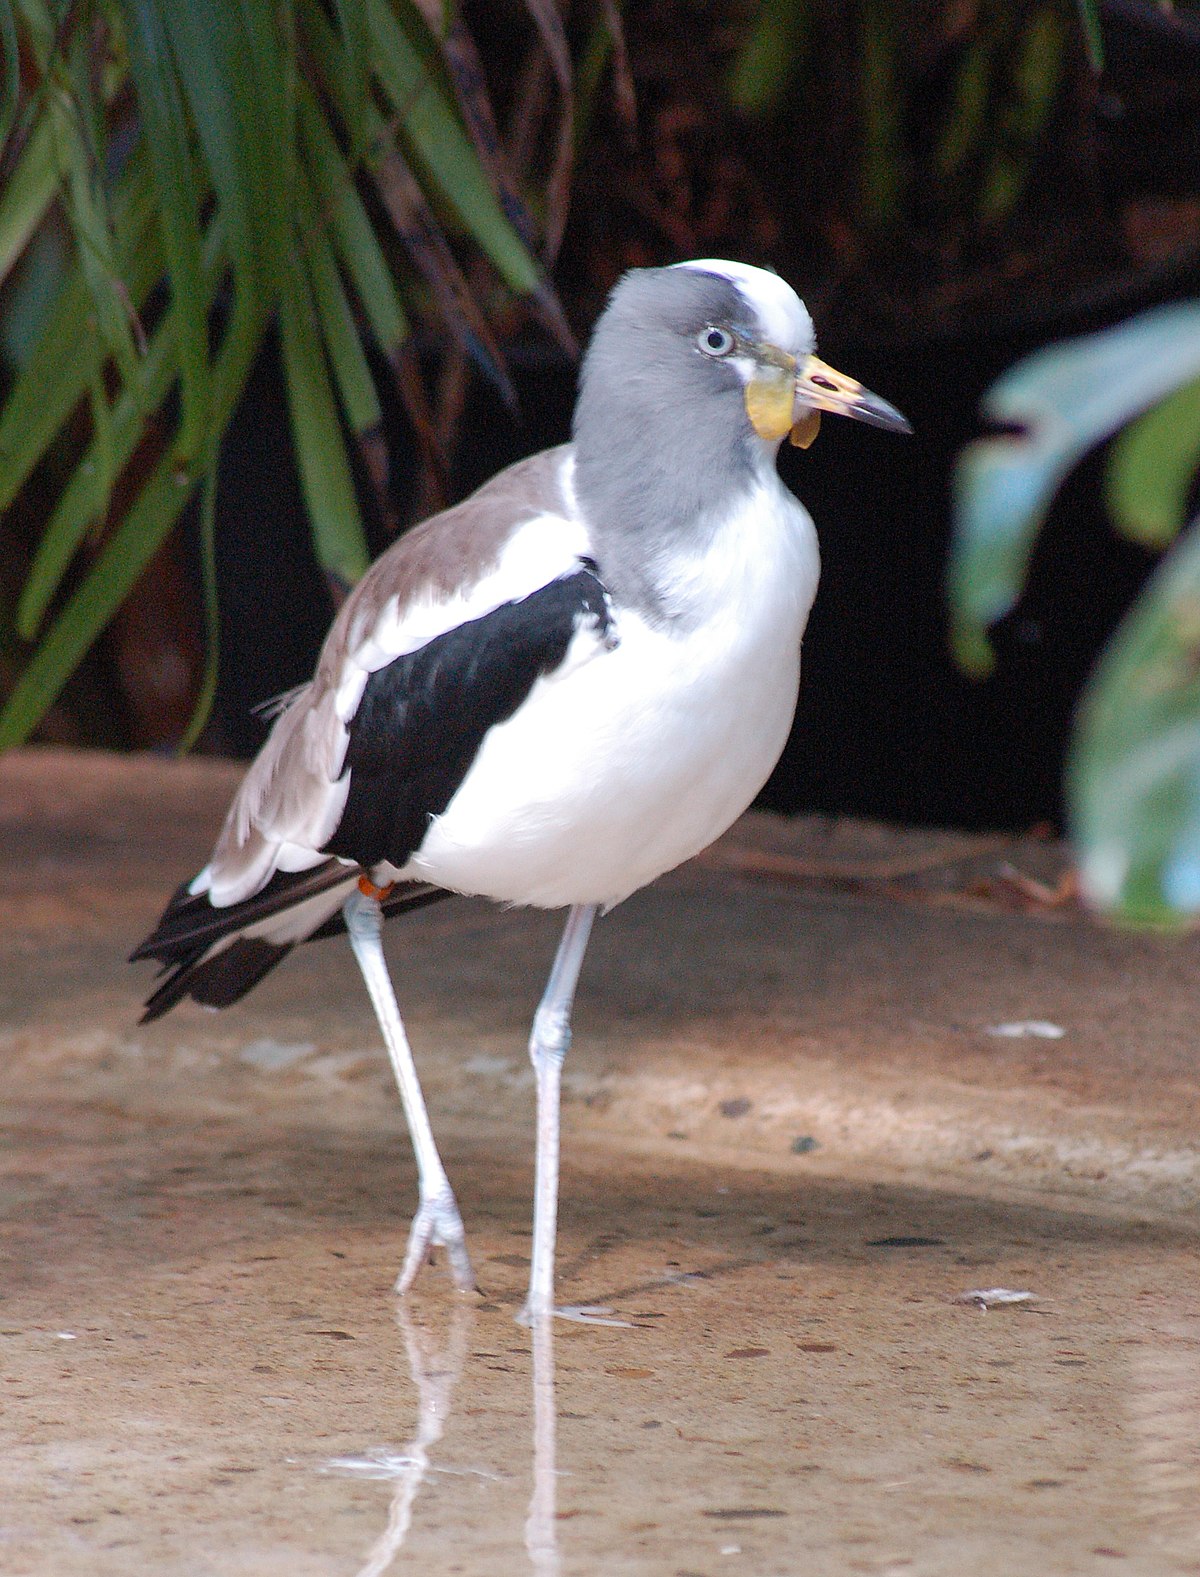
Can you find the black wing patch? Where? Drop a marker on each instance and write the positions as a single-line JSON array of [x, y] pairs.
[[417, 730], [422, 719]]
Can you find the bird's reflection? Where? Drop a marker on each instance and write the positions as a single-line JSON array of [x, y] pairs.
[[436, 1359], [541, 1526]]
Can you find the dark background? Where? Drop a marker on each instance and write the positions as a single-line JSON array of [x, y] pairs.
[[926, 305]]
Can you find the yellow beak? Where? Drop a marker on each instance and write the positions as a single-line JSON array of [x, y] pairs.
[[786, 399]]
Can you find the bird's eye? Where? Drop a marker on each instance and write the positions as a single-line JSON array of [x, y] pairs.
[[714, 341]]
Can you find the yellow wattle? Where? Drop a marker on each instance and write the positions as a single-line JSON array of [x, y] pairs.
[[769, 405], [806, 429]]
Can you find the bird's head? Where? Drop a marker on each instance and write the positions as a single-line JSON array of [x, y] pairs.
[[673, 338]]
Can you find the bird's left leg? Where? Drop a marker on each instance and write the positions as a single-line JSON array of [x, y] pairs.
[[548, 1045], [437, 1219]]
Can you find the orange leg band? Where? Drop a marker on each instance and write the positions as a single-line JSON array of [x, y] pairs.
[[369, 890]]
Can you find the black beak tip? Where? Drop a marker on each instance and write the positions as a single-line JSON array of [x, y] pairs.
[[886, 416]]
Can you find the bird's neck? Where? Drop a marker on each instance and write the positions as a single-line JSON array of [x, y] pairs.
[[651, 508]]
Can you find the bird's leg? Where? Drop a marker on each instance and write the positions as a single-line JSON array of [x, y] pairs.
[[437, 1219], [548, 1044]]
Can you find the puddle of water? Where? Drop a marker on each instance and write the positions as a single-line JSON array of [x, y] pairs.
[[796, 1388]]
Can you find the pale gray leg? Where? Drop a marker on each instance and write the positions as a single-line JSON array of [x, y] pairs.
[[437, 1220], [548, 1045]]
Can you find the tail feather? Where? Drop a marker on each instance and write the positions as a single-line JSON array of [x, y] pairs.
[[191, 919], [216, 955], [218, 979]]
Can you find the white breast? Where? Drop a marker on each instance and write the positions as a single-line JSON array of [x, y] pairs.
[[627, 761]]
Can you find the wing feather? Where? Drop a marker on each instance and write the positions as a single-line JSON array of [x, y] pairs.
[[382, 721], [504, 542], [422, 718]]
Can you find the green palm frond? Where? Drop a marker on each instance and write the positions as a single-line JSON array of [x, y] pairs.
[[220, 167]]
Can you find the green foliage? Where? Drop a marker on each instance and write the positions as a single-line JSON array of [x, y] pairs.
[[1133, 779], [1153, 468], [220, 165], [1064, 400], [938, 115], [1134, 772], [771, 55]]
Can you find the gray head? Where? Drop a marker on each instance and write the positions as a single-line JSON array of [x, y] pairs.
[[664, 444], [693, 376], [671, 361]]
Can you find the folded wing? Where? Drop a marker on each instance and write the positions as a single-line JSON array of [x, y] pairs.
[[412, 677]]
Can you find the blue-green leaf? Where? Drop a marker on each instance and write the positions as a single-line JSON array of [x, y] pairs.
[[1134, 772], [1065, 400]]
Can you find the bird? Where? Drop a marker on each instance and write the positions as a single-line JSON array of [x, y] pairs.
[[549, 694]]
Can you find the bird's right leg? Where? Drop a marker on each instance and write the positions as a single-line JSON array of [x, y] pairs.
[[437, 1220]]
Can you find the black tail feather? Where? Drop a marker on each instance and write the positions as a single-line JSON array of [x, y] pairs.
[[190, 921], [215, 981], [188, 938]]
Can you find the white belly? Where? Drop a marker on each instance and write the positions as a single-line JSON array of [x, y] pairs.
[[621, 766]]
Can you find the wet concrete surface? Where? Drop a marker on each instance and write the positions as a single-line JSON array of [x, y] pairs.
[[793, 1140]]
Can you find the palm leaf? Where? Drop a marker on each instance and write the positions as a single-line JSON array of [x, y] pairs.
[[213, 162], [357, 245], [27, 194], [76, 509], [348, 359], [64, 363], [10, 70], [179, 195], [441, 148], [105, 586], [325, 473]]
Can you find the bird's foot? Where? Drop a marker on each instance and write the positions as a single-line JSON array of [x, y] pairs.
[[437, 1223], [577, 1313]]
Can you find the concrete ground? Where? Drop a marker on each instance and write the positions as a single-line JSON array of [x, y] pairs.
[[826, 1082]]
